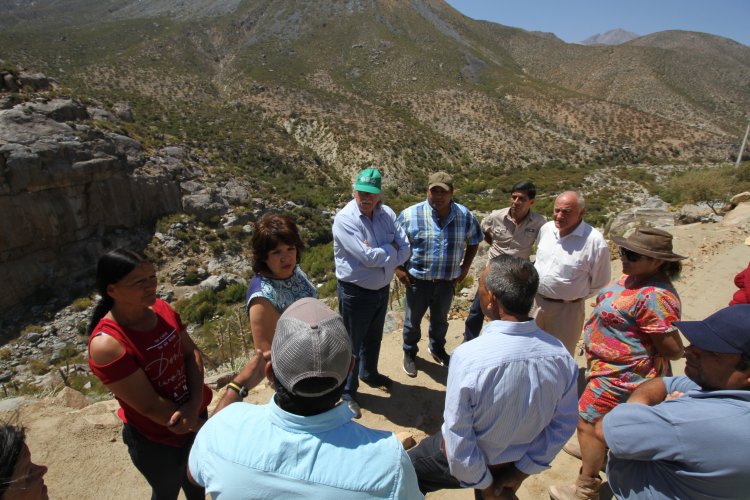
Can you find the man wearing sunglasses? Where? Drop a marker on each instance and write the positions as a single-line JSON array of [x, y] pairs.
[[572, 260]]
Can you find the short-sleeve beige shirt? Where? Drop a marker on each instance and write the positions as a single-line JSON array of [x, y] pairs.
[[509, 238]]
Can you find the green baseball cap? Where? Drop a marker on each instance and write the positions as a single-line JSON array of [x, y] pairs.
[[368, 181]]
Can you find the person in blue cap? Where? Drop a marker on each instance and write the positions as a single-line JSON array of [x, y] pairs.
[[687, 437], [368, 244]]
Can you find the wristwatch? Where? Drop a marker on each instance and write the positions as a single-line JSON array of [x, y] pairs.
[[239, 389]]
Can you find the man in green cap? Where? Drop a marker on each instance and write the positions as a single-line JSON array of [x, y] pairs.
[[367, 247]]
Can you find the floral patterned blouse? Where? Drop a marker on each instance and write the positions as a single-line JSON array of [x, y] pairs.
[[280, 293], [619, 350]]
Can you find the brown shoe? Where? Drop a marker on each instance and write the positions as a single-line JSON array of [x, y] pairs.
[[573, 449], [586, 488]]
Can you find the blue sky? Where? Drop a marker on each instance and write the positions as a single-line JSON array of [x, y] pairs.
[[575, 20]]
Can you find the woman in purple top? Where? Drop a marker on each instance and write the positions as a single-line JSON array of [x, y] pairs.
[[278, 281]]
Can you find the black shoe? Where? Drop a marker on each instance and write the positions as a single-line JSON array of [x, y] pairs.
[[441, 357], [378, 380], [410, 365]]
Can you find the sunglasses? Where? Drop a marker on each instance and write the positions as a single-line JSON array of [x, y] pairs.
[[630, 255]]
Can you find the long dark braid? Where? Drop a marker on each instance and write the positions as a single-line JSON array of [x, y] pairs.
[[112, 267]]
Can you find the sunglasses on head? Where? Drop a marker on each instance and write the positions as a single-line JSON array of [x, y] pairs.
[[630, 255]]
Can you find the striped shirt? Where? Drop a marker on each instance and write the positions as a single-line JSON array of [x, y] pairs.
[[437, 251], [511, 397]]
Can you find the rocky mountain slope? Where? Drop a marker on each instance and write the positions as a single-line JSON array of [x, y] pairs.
[[236, 106], [405, 84]]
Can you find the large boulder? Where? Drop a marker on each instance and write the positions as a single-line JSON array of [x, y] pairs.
[[739, 216], [652, 213]]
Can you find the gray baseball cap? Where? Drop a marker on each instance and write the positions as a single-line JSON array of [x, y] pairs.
[[310, 342]]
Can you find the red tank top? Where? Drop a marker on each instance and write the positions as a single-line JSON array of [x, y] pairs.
[[158, 353]]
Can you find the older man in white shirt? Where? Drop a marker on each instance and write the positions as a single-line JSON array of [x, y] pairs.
[[572, 260]]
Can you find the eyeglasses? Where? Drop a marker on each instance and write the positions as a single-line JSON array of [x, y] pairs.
[[630, 255]]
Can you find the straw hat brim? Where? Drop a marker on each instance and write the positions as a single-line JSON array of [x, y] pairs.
[[630, 245]]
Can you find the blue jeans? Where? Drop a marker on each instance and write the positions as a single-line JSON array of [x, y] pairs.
[[163, 466], [363, 312], [422, 295], [474, 320]]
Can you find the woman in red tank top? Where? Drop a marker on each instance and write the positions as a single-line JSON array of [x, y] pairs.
[[142, 353]]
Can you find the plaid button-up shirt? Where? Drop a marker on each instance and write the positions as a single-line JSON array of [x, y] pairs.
[[437, 251]]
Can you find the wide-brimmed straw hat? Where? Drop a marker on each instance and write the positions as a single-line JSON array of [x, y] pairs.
[[650, 242]]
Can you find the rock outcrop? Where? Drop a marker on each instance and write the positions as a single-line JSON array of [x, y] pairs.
[[68, 190]]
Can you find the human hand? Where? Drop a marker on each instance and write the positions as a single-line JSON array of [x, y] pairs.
[[184, 420], [253, 372], [404, 277], [461, 277], [506, 482], [674, 395], [366, 243]]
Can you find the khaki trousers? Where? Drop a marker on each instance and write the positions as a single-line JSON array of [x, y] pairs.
[[564, 321]]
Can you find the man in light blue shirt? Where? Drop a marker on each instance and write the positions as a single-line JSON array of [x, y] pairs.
[[301, 445], [687, 437], [367, 247], [511, 398]]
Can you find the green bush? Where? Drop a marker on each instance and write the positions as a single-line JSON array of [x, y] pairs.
[[233, 294], [198, 308]]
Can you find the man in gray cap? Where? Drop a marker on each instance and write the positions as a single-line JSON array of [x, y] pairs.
[[686, 437], [302, 444]]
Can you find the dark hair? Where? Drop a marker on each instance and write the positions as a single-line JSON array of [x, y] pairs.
[[743, 364], [112, 267], [527, 187], [271, 230], [672, 269], [308, 406], [12, 439], [514, 282]]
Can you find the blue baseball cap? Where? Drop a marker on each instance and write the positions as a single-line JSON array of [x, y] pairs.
[[725, 331]]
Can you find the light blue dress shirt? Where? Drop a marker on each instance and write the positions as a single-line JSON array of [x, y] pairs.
[[370, 265], [695, 446], [511, 397], [262, 451]]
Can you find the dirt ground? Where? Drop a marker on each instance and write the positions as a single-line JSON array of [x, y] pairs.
[[87, 459]]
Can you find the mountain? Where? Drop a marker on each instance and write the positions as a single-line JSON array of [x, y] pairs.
[[289, 98], [612, 37], [403, 84]]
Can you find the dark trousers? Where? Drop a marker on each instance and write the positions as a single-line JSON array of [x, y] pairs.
[[474, 320], [363, 312], [164, 467], [433, 472], [428, 459], [422, 295]]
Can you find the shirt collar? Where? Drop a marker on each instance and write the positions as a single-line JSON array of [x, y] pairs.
[[323, 422], [728, 393], [511, 327], [578, 232]]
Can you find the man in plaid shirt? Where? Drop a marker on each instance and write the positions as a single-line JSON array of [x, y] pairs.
[[444, 238]]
